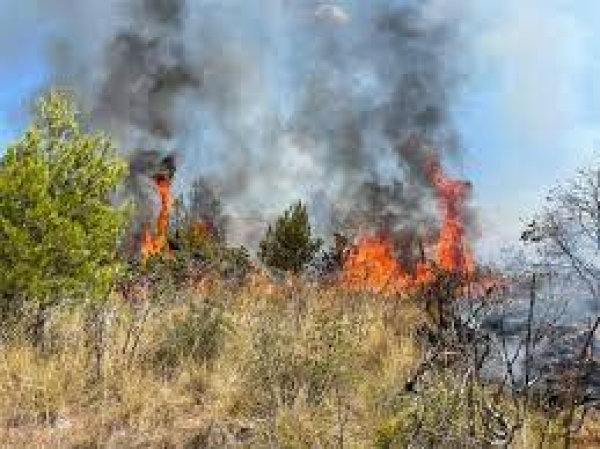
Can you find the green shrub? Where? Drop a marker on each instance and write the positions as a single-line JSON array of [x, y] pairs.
[[289, 245], [58, 229]]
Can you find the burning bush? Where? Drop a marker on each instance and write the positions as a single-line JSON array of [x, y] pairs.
[[201, 211], [373, 262]]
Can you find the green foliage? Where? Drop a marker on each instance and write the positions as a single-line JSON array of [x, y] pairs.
[[58, 229], [289, 245]]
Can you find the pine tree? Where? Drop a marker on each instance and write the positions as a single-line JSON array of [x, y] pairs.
[[58, 229], [289, 244]]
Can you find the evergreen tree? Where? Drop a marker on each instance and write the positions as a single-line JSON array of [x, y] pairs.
[[58, 229], [289, 245]]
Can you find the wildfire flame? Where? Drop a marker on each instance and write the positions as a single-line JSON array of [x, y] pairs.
[[156, 243], [372, 265], [453, 253]]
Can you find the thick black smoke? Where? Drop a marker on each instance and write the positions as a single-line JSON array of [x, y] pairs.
[[275, 100]]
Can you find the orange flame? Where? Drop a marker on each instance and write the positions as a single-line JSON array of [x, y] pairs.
[[453, 253], [372, 265], [156, 243]]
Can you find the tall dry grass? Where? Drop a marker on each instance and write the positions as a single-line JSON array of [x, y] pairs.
[[259, 364]]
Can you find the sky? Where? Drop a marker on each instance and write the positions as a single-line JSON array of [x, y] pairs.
[[528, 113]]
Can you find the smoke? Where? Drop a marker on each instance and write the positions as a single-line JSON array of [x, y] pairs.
[[276, 100]]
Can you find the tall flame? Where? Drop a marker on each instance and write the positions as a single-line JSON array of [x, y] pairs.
[[372, 265], [156, 243], [453, 253]]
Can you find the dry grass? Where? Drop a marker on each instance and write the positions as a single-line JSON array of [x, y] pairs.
[[297, 366], [285, 365]]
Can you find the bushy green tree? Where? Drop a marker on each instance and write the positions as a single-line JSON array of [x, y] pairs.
[[289, 245], [58, 228]]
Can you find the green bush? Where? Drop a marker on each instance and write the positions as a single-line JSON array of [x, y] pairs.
[[58, 228], [289, 245]]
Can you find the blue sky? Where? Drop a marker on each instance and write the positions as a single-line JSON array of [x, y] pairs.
[[23, 68], [529, 112]]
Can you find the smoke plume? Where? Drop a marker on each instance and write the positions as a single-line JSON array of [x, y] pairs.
[[275, 100]]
